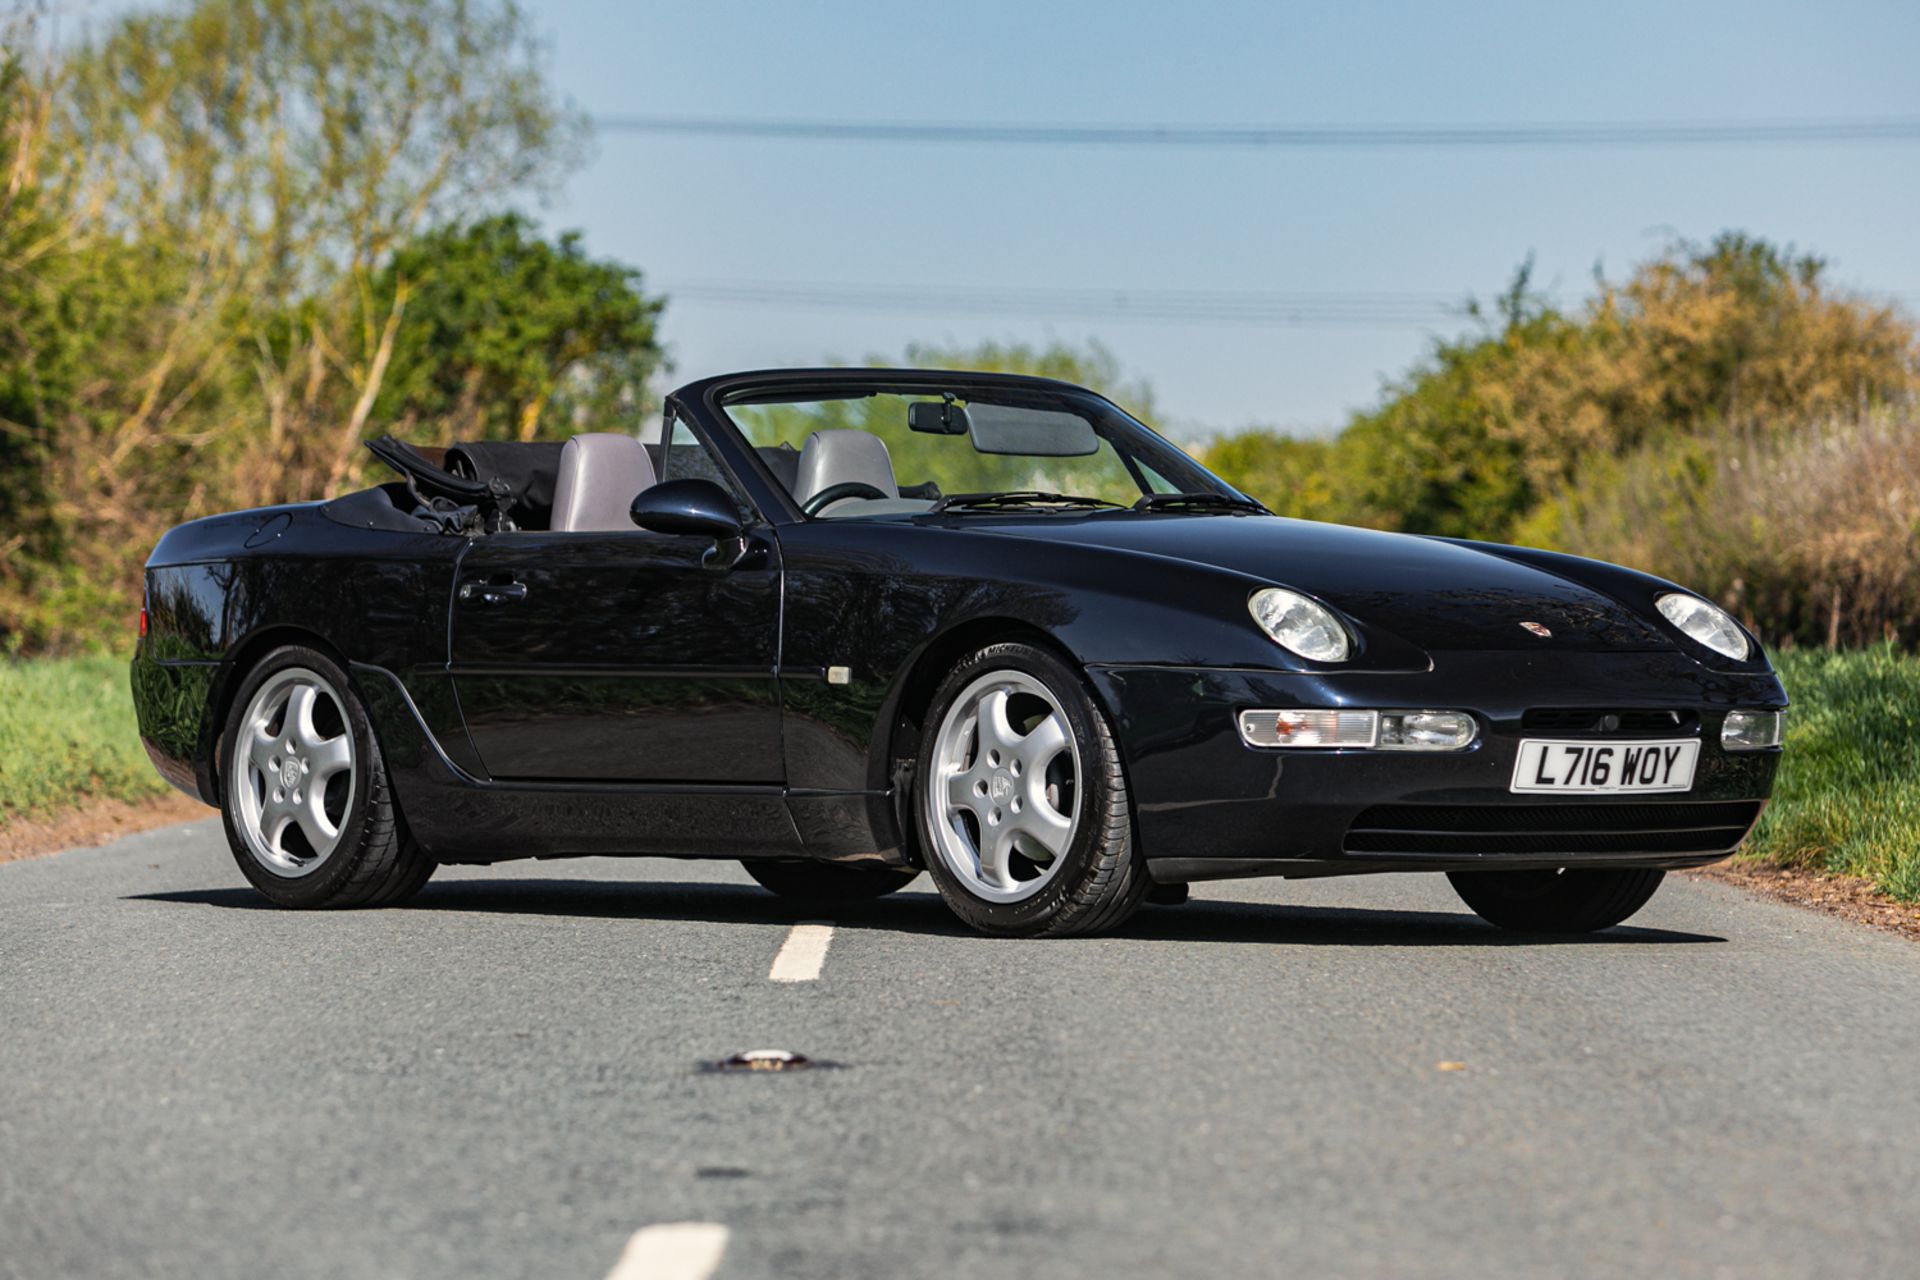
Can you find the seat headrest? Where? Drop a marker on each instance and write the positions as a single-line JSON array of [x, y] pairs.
[[600, 474], [839, 455]]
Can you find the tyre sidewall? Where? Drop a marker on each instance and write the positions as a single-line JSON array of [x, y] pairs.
[[1030, 915], [321, 886], [1581, 900]]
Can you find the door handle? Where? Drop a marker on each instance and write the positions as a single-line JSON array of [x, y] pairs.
[[493, 592]]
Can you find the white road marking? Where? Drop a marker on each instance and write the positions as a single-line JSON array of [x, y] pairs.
[[672, 1251], [804, 951]]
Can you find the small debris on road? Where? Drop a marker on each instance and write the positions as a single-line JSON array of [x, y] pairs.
[[768, 1060]]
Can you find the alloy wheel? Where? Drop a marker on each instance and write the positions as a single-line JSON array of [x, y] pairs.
[[1004, 787], [290, 776]]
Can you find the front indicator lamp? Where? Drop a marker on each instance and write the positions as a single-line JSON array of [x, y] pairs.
[[1360, 730], [1309, 728], [1752, 730]]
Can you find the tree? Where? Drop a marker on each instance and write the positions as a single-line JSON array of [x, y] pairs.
[[510, 337], [1494, 426], [283, 150], [1722, 416], [222, 183], [1092, 366]]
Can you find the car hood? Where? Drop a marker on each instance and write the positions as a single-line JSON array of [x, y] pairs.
[[1435, 594]]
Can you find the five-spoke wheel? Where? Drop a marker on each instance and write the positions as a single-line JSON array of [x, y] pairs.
[[292, 769], [305, 796], [1024, 816], [1008, 774]]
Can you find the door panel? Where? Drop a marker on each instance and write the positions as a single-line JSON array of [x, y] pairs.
[[626, 657]]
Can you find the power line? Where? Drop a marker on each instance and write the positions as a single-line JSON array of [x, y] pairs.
[[1322, 136], [1382, 310], [1179, 306]]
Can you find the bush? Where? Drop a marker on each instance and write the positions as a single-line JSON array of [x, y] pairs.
[[1722, 418]]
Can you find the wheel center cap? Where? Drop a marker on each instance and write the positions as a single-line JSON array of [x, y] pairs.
[[289, 772], [1000, 788]]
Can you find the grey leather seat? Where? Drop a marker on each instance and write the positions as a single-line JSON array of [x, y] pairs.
[[840, 455], [600, 472]]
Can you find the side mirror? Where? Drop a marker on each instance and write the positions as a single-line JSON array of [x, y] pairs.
[[698, 507]]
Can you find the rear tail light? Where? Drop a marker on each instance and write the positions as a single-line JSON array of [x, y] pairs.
[[143, 622]]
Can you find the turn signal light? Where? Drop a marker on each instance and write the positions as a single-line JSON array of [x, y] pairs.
[[1385, 730], [1309, 728]]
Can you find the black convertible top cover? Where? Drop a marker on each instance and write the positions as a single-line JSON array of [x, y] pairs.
[[513, 481], [528, 470]]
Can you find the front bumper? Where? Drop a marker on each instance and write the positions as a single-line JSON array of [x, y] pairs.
[[1208, 806]]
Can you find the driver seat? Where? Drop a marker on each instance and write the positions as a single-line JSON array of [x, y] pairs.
[[600, 474], [841, 455]]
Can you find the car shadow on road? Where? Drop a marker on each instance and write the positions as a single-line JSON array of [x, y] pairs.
[[923, 913]]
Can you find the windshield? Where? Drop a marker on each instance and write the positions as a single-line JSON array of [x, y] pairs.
[[888, 453]]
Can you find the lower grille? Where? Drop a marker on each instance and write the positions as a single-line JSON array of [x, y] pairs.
[[1596, 720], [1680, 827]]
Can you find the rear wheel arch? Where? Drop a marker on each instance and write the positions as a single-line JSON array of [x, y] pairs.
[[357, 849], [239, 664]]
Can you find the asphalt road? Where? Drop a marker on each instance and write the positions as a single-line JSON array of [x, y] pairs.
[[505, 1079]]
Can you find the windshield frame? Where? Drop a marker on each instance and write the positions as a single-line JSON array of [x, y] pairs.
[[706, 401]]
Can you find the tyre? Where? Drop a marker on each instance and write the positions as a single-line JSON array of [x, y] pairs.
[[304, 792], [827, 881], [1563, 901], [1021, 800]]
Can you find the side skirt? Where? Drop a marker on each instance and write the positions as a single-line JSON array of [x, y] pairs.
[[460, 817]]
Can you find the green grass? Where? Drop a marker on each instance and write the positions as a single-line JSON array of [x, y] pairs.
[[1847, 800], [67, 735], [1848, 796]]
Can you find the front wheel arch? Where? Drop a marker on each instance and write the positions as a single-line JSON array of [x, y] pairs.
[[922, 680], [1098, 879]]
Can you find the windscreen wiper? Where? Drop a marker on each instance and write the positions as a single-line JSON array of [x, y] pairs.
[[1016, 498], [1205, 501]]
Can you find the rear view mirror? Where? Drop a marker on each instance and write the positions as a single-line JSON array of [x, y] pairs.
[[942, 418]]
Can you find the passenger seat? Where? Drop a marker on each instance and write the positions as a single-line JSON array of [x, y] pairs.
[[600, 474], [840, 455]]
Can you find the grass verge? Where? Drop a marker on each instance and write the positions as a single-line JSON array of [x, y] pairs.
[[1848, 797], [68, 737]]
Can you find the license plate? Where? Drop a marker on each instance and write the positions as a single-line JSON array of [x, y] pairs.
[[1604, 768]]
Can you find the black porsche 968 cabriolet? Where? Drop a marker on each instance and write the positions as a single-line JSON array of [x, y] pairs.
[[847, 624]]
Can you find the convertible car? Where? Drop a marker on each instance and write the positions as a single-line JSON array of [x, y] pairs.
[[846, 625]]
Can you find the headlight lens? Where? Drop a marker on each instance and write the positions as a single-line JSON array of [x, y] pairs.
[[1708, 624], [1300, 626]]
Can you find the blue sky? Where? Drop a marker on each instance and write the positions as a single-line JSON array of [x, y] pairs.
[[1447, 222]]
